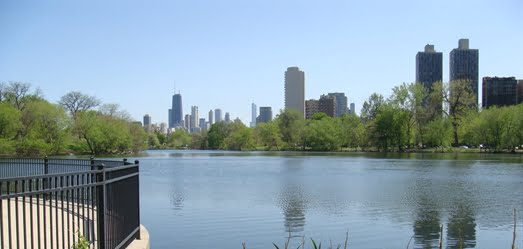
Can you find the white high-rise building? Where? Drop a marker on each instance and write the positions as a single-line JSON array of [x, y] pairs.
[[254, 114], [211, 116], [218, 115], [295, 90], [194, 117]]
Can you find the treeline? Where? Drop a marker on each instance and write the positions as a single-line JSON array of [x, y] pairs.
[[412, 118], [30, 125]]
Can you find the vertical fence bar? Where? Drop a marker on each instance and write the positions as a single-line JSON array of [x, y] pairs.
[[139, 236], [63, 210], [24, 213], [2, 221], [100, 206], [31, 236], [68, 211], [38, 214], [9, 235], [50, 197], [17, 225]]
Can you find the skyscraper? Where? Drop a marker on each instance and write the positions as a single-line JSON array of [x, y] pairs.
[[218, 115], [499, 91], [203, 124], [265, 114], [176, 111], [211, 116], [253, 115], [327, 105], [170, 119], [429, 66], [147, 122], [341, 103], [464, 65], [227, 117], [520, 91], [194, 117], [352, 109], [312, 106], [295, 90], [187, 122]]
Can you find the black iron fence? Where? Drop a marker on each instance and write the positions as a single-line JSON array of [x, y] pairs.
[[56, 203]]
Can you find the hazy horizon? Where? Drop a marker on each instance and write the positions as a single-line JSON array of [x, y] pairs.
[[228, 54]]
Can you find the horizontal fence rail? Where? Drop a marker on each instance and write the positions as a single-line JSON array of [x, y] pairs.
[[54, 203]]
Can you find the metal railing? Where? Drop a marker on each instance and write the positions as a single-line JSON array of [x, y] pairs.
[[55, 203]]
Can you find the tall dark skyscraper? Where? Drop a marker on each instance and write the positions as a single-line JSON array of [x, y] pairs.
[[499, 91], [265, 114], [176, 112], [464, 65], [520, 91], [429, 66]]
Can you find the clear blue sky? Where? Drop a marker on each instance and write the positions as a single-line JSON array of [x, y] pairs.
[[227, 54]]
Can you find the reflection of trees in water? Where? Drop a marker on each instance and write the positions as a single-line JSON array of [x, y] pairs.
[[427, 223], [293, 202], [461, 227]]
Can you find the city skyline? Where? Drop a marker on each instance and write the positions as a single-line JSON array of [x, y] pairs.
[[227, 55]]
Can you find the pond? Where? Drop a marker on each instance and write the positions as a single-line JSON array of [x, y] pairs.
[[209, 199]]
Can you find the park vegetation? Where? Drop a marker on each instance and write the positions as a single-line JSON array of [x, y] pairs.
[[30, 125], [413, 118]]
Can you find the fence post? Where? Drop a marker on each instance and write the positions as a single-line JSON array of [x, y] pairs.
[[100, 206], [139, 236], [45, 180], [92, 164]]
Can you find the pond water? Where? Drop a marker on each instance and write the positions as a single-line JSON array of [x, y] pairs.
[[205, 199]]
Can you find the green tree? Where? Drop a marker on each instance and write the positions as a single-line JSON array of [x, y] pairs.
[[459, 99], [371, 106], [239, 137], [268, 135], [9, 121], [290, 123], [199, 141], [439, 133], [352, 131], [179, 139], [389, 128], [323, 133], [217, 134]]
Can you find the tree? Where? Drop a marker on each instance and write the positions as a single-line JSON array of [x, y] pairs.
[[323, 133], [268, 135], [352, 131], [459, 98], [179, 139], [370, 107], [239, 137], [113, 110], [389, 127], [439, 133], [17, 94], [76, 102], [290, 123], [217, 134], [9, 121]]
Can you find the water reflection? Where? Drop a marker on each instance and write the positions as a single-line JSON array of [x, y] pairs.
[[427, 223], [461, 227], [293, 199]]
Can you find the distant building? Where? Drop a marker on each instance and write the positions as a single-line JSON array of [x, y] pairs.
[[227, 117], [265, 114], [464, 65], [295, 90], [163, 128], [312, 106], [352, 109], [203, 124], [176, 111], [187, 122], [520, 91], [429, 67], [341, 103], [327, 105], [194, 117], [254, 114], [218, 116], [147, 120], [170, 118], [211, 116], [499, 91]]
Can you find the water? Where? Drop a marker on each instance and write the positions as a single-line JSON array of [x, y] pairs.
[[198, 199]]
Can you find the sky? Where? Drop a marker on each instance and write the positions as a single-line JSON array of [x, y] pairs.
[[227, 54]]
